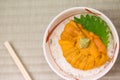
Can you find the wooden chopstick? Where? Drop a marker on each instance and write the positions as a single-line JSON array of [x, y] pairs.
[[17, 61]]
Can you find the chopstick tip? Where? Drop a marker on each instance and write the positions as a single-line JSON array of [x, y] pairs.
[[6, 42]]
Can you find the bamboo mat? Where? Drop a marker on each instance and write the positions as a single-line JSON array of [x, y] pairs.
[[23, 22]]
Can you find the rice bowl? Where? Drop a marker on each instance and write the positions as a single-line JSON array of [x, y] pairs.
[[53, 53]]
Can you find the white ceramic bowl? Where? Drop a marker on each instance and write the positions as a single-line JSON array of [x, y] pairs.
[[61, 17]]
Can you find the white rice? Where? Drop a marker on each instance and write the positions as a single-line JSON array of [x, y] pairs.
[[58, 55]]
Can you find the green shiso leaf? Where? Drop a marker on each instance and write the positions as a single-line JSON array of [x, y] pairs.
[[96, 25]]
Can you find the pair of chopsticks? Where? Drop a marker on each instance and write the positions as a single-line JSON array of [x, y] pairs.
[[17, 61]]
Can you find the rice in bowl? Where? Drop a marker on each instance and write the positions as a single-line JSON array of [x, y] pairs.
[[62, 65]]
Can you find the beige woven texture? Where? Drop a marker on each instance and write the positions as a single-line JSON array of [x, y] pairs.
[[23, 22]]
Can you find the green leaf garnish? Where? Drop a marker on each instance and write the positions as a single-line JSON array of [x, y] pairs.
[[96, 25]]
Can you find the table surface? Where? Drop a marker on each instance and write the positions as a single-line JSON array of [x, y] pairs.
[[23, 23]]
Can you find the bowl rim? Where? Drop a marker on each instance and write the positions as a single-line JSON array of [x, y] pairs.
[[70, 9]]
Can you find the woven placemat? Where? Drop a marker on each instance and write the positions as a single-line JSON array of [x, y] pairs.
[[23, 22]]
